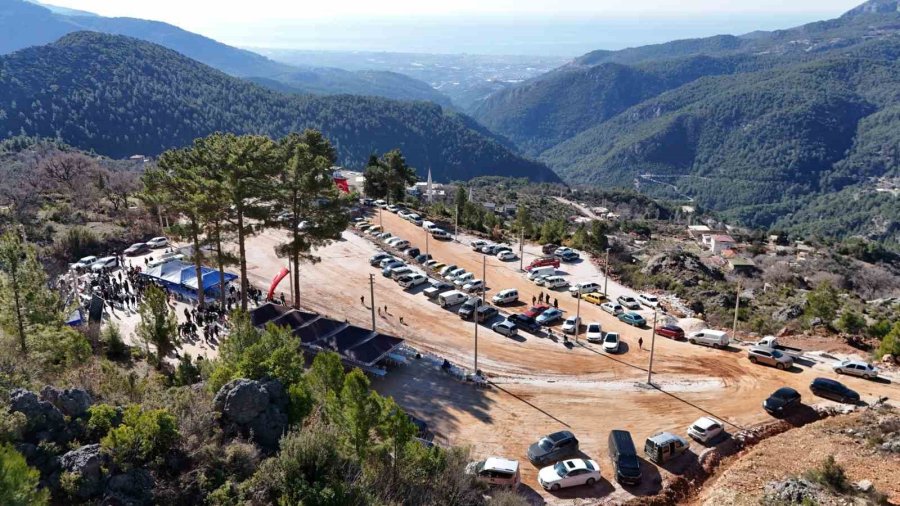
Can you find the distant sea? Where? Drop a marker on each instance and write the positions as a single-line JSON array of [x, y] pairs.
[[559, 37]]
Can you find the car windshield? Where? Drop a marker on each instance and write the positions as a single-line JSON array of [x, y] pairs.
[[629, 464], [560, 469], [545, 444], [611, 338], [593, 328], [699, 429]]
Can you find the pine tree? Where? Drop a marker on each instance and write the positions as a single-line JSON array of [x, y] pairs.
[[158, 325]]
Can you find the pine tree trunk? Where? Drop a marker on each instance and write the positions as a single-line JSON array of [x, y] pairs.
[[242, 254], [198, 262], [220, 258], [19, 318]]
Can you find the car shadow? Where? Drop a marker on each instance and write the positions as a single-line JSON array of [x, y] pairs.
[[794, 370], [730, 349], [651, 480], [883, 381], [623, 348], [682, 463], [800, 415], [601, 488], [415, 290]]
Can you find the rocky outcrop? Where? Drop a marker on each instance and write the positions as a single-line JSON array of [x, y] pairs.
[[787, 313], [134, 488], [254, 409], [44, 421], [87, 463], [684, 267], [72, 402], [792, 491]]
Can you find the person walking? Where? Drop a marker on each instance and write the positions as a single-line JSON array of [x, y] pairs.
[[641, 343], [556, 303], [533, 300], [362, 300]]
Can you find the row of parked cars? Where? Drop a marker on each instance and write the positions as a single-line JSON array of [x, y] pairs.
[[96, 264]]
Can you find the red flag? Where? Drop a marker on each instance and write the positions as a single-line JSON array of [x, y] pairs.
[[342, 184], [278, 277]]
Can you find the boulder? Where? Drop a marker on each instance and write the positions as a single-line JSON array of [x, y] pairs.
[[134, 487], [242, 400], [864, 486], [43, 418], [87, 462], [72, 402], [792, 491], [787, 313]]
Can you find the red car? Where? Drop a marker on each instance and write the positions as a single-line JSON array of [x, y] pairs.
[[543, 262], [535, 311], [671, 331]]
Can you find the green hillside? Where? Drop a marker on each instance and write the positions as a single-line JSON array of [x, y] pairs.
[[120, 96]]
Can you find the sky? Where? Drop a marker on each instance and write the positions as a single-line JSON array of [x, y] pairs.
[[558, 27]]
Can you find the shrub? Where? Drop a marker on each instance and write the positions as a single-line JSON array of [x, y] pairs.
[[101, 419], [830, 474], [143, 436], [18, 482], [851, 322], [890, 343], [187, 373], [112, 338]]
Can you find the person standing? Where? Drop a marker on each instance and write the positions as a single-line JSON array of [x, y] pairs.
[[640, 343]]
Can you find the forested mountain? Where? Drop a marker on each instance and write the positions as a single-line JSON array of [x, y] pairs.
[[120, 96], [751, 125], [24, 24]]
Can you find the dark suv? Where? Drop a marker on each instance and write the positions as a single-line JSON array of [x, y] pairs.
[[553, 448], [834, 390], [524, 322], [624, 457]]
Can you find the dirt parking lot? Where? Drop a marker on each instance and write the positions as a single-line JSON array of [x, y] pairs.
[[539, 385]]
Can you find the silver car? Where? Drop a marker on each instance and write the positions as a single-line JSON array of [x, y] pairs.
[[769, 356], [856, 368]]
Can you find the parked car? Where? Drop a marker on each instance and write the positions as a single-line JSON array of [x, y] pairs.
[[447, 269], [856, 368], [362, 225], [506, 256], [569, 256], [412, 280], [495, 471], [543, 262], [782, 400], [594, 297], [138, 248], [401, 245], [415, 219], [477, 244], [569, 473], [706, 429], [632, 318], [553, 447], [561, 250], [709, 337], [429, 226], [541, 272], [554, 282], [611, 342], [578, 289], [468, 308], [165, 258], [452, 298], [624, 457], [392, 208], [475, 285], [437, 266], [570, 326], [594, 332], [423, 257], [437, 288], [85, 262], [486, 313], [834, 390], [463, 279], [501, 248], [488, 249], [549, 317], [380, 203], [628, 302], [507, 296], [378, 257], [374, 231], [412, 252], [612, 308], [665, 446], [535, 311], [768, 356], [388, 261], [430, 264], [105, 263], [158, 242], [524, 322], [403, 214], [393, 264], [384, 236], [548, 249], [399, 272], [772, 342], [505, 328], [455, 273], [439, 233], [671, 331], [648, 300]]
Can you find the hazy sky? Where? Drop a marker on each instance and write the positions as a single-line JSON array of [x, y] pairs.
[[552, 27]]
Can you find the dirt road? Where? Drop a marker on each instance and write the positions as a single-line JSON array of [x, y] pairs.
[[540, 385]]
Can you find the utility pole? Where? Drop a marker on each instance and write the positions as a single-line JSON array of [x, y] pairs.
[[380, 219], [521, 248], [578, 316], [456, 233], [291, 279], [426, 240], [372, 298], [652, 348], [737, 305], [606, 276], [478, 305]]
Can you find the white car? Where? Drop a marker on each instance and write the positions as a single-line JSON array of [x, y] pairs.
[[553, 282], [374, 231], [506, 256], [505, 328], [594, 332], [403, 214], [612, 308], [507, 296], [447, 270], [629, 302], [385, 236], [569, 473], [571, 325], [105, 263], [477, 244], [462, 279], [393, 240], [429, 263], [648, 300], [415, 219], [856, 368], [411, 280], [439, 233], [584, 287], [611, 342], [85, 262], [158, 242], [392, 208], [706, 429], [402, 244], [473, 285], [541, 279]]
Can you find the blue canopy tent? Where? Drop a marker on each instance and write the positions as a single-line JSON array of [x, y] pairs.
[[182, 277]]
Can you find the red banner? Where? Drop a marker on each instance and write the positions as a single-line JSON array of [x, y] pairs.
[[342, 184], [278, 277]]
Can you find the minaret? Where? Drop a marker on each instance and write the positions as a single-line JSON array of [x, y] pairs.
[[428, 192]]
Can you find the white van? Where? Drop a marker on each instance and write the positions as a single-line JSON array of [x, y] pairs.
[[452, 298], [709, 337], [428, 225], [584, 287], [463, 279], [537, 272], [507, 296], [439, 233]]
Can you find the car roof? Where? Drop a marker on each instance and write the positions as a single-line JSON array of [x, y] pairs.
[[785, 392], [501, 464], [827, 381], [706, 422], [558, 436], [575, 464], [665, 438]]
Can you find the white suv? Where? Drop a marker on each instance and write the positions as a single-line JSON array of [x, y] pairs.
[[583, 287], [648, 300]]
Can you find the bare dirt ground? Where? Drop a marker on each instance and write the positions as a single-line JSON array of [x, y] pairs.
[[741, 479], [540, 385]]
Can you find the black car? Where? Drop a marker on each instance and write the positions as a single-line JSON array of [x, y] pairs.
[[624, 457], [422, 258], [485, 313], [834, 390], [553, 448], [412, 252], [782, 400], [524, 322]]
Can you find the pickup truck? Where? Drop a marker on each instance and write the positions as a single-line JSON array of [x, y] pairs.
[[772, 342]]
